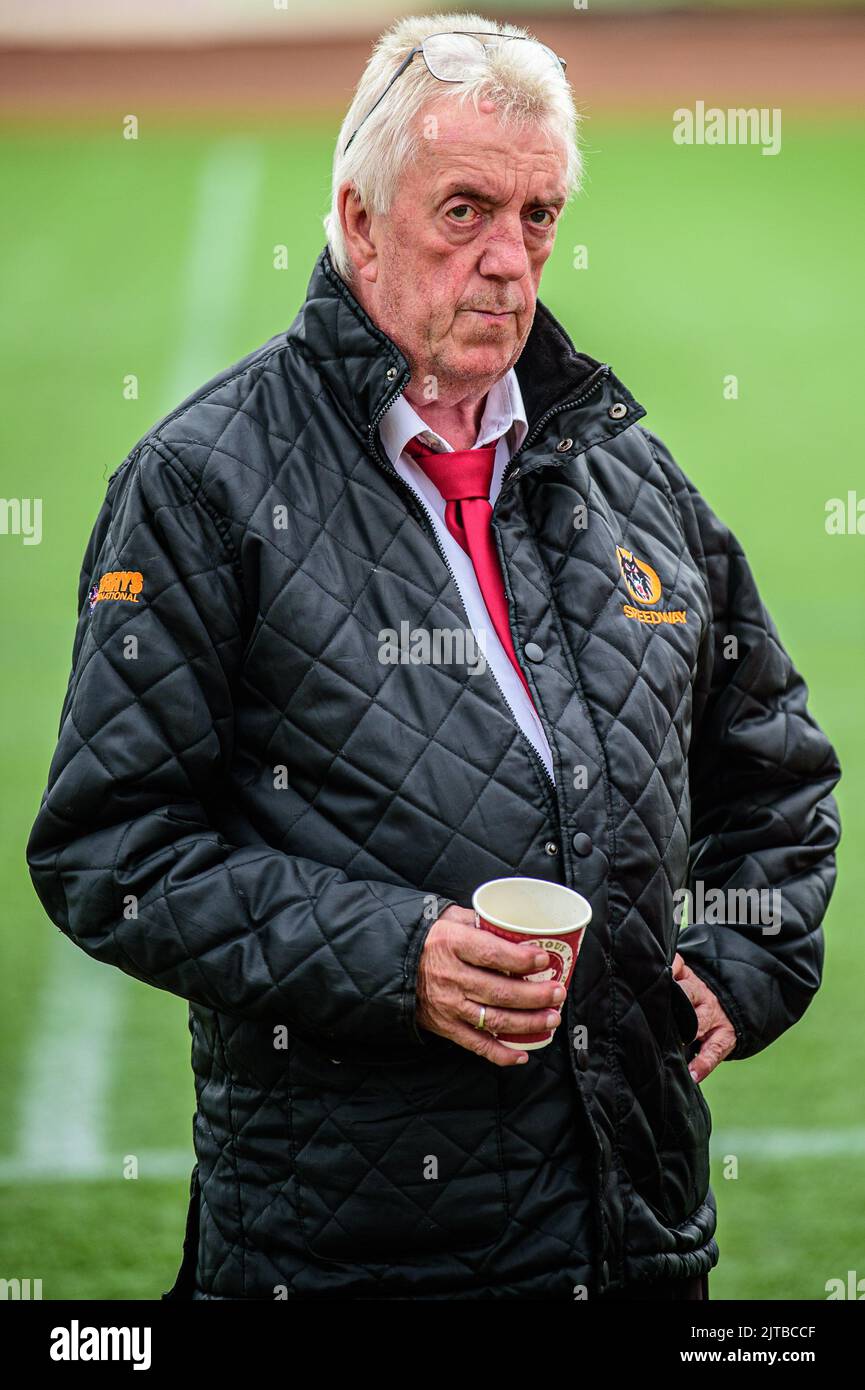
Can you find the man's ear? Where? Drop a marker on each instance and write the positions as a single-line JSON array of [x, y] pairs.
[[357, 230]]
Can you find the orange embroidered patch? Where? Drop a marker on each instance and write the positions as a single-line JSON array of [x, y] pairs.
[[124, 585], [643, 584], [641, 580], [642, 615]]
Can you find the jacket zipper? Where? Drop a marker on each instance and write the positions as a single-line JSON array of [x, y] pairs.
[[513, 465], [422, 512], [607, 1252]]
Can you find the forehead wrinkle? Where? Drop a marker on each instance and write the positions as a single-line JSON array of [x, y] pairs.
[[491, 186]]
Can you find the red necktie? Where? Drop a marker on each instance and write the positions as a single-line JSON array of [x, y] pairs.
[[463, 478]]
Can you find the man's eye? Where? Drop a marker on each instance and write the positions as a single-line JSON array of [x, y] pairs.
[[461, 208], [542, 212]]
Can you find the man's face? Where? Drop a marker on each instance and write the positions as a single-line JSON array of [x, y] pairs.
[[458, 258]]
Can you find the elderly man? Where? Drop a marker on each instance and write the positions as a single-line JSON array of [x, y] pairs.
[[266, 803]]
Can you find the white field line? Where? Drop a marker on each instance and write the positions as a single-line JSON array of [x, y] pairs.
[[768, 1145], [152, 1163], [226, 203], [66, 1079], [784, 1144], [65, 1083]]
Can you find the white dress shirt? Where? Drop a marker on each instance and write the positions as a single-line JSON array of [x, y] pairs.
[[503, 419]]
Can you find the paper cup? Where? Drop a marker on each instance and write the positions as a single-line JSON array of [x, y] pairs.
[[549, 916]]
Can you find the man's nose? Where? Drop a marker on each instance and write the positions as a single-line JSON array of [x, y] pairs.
[[504, 255]]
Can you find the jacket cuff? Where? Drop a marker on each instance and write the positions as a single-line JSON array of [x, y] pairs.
[[412, 965]]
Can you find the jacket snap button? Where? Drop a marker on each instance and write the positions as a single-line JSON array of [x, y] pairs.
[[390, 373], [618, 411], [582, 844], [551, 847], [581, 1057], [533, 651], [564, 445]]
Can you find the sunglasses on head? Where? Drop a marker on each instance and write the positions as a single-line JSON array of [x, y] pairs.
[[451, 57]]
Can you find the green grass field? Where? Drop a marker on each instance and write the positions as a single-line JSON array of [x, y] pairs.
[[154, 259]]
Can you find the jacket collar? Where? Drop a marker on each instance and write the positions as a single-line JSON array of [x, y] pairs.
[[365, 371], [503, 415]]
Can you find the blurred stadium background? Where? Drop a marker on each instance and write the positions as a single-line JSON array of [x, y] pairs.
[[154, 259]]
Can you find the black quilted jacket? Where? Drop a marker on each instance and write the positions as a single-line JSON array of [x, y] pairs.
[[248, 808]]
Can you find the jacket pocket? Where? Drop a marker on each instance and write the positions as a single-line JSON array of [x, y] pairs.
[[687, 1023], [683, 1148], [684, 1016], [184, 1283], [684, 1144], [389, 1161]]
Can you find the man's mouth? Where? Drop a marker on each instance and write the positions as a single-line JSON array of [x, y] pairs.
[[493, 314]]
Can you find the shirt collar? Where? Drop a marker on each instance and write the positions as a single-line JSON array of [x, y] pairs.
[[504, 413]]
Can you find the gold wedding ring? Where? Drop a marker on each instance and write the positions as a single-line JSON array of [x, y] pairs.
[[480, 1022]]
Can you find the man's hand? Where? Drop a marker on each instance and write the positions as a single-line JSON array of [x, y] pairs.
[[716, 1033], [462, 968]]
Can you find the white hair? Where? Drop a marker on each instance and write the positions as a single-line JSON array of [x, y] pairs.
[[517, 78]]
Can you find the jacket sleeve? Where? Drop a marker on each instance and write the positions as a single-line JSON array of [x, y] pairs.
[[123, 854], [763, 816]]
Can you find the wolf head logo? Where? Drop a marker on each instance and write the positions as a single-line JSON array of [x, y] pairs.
[[641, 580]]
